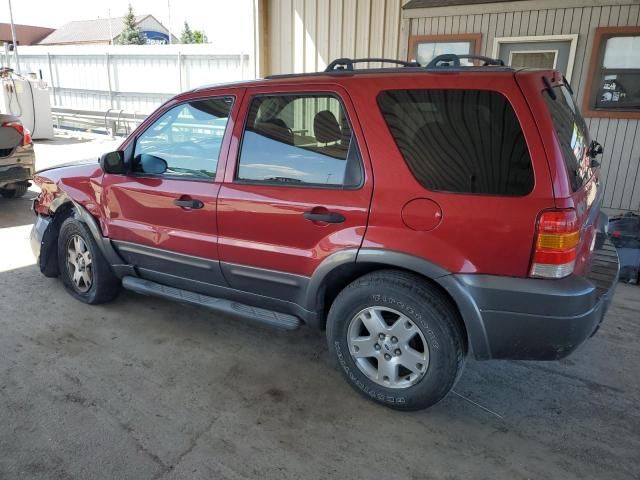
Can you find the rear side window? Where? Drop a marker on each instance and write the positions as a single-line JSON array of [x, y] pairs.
[[572, 134], [462, 141], [299, 140]]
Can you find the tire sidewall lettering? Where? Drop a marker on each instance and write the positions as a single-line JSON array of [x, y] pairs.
[[373, 393], [411, 313]]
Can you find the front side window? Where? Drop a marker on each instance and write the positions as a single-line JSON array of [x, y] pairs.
[[299, 140], [461, 141], [615, 84], [188, 138]]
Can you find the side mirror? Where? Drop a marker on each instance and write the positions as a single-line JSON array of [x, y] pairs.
[[112, 162], [151, 164]]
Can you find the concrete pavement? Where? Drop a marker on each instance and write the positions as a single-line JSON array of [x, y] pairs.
[[145, 389]]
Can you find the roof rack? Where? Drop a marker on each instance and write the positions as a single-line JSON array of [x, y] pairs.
[[451, 60], [342, 64]]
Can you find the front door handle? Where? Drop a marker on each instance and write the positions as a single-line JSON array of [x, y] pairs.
[[328, 217], [188, 203]]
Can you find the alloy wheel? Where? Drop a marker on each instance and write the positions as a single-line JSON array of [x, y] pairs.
[[388, 347], [79, 263]]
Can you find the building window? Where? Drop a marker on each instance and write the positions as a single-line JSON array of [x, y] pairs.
[[533, 59], [613, 88], [423, 48], [538, 51]]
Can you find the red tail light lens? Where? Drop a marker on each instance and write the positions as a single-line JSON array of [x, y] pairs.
[[557, 239], [26, 134]]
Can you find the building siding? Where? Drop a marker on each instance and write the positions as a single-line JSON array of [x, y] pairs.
[[305, 35], [620, 137]]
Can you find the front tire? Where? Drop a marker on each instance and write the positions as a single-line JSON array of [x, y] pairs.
[[85, 272], [397, 339]]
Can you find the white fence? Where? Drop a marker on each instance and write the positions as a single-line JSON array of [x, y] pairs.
[[133, 78]]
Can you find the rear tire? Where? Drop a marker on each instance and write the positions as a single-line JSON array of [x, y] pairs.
[[85, 272], [397, 339], [17, 190]]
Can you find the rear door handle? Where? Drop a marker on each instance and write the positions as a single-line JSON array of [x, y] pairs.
[[188, 203], [329, 217]]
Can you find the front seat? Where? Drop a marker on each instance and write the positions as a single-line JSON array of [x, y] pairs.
[[326, 129], [275, 129]]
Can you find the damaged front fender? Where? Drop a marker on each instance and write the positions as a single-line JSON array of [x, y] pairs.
[[44, 239]]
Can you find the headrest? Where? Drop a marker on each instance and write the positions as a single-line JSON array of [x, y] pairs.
[[275, 129], [326, 127]]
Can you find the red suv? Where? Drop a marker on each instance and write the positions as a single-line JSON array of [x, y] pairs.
[[418, 214]]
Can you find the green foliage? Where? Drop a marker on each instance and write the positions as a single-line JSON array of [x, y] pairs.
[[200, 37], [131, 34], [187, 34], [192, 36]]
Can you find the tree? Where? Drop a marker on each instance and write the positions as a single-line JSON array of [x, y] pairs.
[[131, 33], [192, 36], [200, 37], [187, 34]]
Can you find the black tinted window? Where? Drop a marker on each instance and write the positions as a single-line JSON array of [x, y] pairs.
[[188, 137], [299, 140], [467, 141], [572, 134]]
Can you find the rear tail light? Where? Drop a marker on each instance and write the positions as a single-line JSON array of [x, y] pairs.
[[26, 134], [557, 238]]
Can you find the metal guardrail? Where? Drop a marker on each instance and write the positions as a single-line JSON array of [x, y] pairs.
[[115, 122]]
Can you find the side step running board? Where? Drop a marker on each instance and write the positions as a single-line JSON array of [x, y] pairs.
[[220, 305]]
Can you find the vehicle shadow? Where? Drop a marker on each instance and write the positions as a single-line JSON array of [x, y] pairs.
[[16, 211]]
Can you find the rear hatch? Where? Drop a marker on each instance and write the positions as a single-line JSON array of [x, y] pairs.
[[568, 148]]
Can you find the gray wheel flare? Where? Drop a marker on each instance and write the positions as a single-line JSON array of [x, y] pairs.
[[79, 263], [388, 347]]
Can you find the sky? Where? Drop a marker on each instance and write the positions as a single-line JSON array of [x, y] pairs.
[[226, 22]]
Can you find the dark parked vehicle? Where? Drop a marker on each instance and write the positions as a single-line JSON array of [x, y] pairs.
[[624, 232], [17, 159], [419, 215]]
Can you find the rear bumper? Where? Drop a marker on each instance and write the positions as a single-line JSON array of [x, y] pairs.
[[18, 167], [15, 173], [532, 319]]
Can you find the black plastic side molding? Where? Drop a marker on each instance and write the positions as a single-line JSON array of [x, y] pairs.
[[220, 305]]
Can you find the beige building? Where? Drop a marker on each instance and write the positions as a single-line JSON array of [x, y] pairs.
[[596, 43], [106, 31]]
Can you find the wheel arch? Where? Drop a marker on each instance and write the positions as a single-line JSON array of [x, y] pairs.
[[62, 208], [342, 268], [48, 259]]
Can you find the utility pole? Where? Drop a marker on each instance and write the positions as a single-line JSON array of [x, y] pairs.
[[169, 22], [13, 38], [110, 29]]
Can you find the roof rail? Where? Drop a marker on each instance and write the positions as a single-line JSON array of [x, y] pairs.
[[342, 64], [451, 60]]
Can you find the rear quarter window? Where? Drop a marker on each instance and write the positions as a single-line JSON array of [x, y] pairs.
[[572, 133], [461, 141]]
